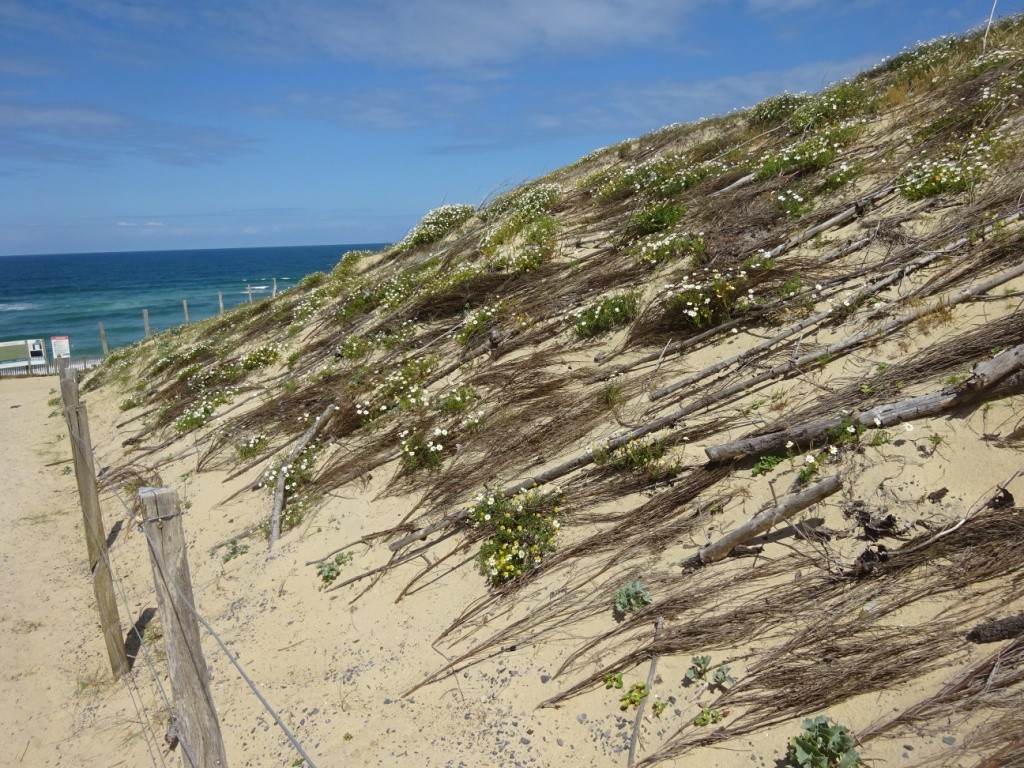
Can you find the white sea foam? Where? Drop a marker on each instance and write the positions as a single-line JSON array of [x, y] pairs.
[[16, 306]]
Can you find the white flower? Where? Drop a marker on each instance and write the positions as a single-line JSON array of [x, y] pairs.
[[809, 459], [878, 422], [908, 427], [833, 450], [790, 444]]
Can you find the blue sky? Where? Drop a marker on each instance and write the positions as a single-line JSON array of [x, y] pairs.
[[146, 125]]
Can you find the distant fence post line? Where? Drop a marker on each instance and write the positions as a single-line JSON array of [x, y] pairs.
[[95, 534], [103, 340], [196, 719], [145, 321], [184, 308]]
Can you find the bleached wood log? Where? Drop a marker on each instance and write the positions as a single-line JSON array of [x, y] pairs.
[[282, 474], [788, 507], [999, 376]]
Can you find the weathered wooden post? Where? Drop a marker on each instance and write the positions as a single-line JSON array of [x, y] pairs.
[[220, 301], [275, 288], [248, 289], [195, 715], [184, 308], [95, 533], [145, 321], [103, 340]]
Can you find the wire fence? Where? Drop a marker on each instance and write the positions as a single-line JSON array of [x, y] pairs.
[[150, 728]]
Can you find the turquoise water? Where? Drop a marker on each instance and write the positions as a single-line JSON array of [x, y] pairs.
[[70, 294]]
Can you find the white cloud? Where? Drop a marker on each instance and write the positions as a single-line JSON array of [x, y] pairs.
[[451, 33], [88, 134], [782, 5]]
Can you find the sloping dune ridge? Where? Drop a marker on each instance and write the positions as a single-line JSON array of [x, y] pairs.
[[506, 450]]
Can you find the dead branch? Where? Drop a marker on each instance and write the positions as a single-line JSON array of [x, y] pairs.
[[282, 474], [640, 709], [788, 507]]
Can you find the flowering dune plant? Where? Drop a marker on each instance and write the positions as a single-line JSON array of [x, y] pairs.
[[957, 171], [521, 530], [606, 315], [655, 249], [436, 224], [709, 298]]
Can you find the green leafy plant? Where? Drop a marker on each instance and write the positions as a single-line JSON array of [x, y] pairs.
[[631, 598], [700, 670], [234, 549], [611, 395], [700, 666], [708, 716], [125, 405], [776, 109], [766, 464], [636, 693], [658, 707], [651, 219], [329, 570], [721, 678], [793, 203], [823, 744], [847, 431], [811, 467], [458, 400], [607, 315], [420, 451], [251, 447], [613, 680]]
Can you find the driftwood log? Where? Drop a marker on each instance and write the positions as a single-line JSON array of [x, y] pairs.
[[1000, 376], [634, 739], [282, 474], [760, 523]]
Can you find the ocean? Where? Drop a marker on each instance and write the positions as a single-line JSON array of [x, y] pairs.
[[69, 294]]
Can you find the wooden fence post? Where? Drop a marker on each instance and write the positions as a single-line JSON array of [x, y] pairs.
[[195, 715], [95, 533], [184, 308], [274, 293], [103, 340], [220, 301], [248, 289], [145, 321]]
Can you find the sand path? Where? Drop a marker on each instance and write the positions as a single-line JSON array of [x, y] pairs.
[[58, 703]]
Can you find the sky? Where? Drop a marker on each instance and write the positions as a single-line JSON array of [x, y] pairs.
[[150, 124]]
